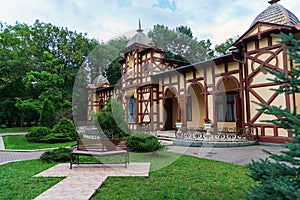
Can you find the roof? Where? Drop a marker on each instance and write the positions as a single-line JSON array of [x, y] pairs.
[[139, 40], [276, 14], [100, 80]]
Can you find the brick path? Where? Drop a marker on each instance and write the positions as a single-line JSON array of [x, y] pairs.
[[15, 155], [12, 156], [83, 180]]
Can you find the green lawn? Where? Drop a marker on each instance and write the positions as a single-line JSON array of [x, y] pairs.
[[20, 142], [17, 181], [13, 130], [184, 178]]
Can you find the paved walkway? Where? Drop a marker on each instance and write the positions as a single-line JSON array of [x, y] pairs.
[[7, 156], [82, 181], [237, 155]]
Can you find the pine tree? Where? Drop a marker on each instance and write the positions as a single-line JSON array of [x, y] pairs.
[[47, 116], [280, 179]]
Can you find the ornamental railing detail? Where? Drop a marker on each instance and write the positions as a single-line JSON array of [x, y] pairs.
[[225, 134]]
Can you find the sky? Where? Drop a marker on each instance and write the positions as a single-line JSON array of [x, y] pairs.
[[216, 20]]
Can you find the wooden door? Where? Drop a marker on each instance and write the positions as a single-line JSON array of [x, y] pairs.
[[169, 113]]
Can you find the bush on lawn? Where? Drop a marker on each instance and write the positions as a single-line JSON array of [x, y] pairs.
[[112, 119], [143, 142], [64, 131], [37, 133], [56, 155]]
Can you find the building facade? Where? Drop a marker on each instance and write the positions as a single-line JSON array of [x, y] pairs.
[[157, 92]]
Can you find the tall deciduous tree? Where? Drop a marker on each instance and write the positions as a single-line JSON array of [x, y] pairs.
[[179, 42], [22, 54], [281, 179], [223, 48]]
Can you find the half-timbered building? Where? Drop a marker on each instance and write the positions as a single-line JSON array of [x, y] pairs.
[[157, 92]]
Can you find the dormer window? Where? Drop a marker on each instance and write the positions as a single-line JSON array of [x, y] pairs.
[[146, 67], [131, 62]]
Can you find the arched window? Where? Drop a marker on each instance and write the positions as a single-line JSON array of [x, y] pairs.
[[227, 101], [131, 109], [189, 108], [226, 106]]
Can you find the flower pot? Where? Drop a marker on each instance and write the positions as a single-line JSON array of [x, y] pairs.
[[178, 124], [207, 126]]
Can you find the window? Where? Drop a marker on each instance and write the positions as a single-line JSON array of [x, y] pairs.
[[131, 110], [189, 108], [146, 67], [226, 109]]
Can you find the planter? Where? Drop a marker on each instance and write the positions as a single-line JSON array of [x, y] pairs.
[[207, 126], [178, 124]]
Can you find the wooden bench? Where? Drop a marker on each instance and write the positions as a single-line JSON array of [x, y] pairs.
[[99, 148]]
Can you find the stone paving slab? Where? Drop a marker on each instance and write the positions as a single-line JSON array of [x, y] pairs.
[[12, 156], [1, 143], [237, 155], [83, 180]]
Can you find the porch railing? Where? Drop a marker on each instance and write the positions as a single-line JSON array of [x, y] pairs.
[[225, 134]]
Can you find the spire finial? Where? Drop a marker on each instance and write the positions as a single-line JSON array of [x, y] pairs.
[[140, 26], [273, 1]]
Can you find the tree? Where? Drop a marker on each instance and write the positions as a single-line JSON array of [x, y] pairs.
[[184, 30], [41, 50], [114, 71], [112, 119], [281, 179], [223, 48], [179, 42], [103, 55], [47, 117]]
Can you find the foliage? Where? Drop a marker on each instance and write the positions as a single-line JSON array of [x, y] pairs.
[[34, 56], [112, 121], [104, 56], [47, 117], [223, 48], [143, 142], [114, 72], [19, 142], [281, 179], [184, 30], [19, 183], [63, 131], [180, 42], [36, 133], [57, 155]]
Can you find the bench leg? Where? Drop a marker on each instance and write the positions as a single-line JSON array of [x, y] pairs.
[[71, 161], [126, 159]]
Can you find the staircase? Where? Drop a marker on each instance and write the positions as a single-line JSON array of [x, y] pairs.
[[166, 137]]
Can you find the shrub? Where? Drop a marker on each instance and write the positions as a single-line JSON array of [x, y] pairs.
[[143, 142], [37, 133], [3, 126], [64, 131], [56, 155], [112, 119], [47, 117]]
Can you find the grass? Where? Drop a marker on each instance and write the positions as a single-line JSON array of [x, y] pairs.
[[20, 142], [17, 181], [172, 177], [14, 130], [185, 178]]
